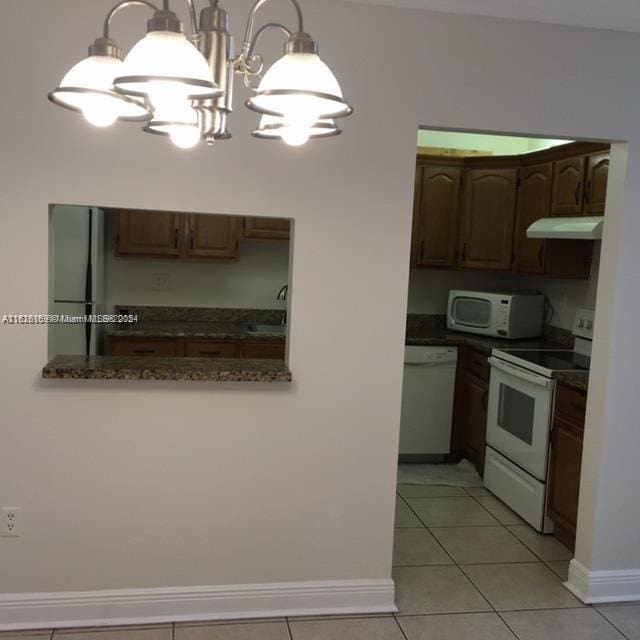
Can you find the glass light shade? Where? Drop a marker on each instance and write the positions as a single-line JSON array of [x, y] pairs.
[[87, 88], [300, 87], [167, 68], [275, 128], [182, 127]]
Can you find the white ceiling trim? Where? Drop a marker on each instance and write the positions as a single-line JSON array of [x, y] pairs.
[[620, 15]]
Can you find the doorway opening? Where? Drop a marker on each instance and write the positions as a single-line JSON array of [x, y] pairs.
[[505, 258]]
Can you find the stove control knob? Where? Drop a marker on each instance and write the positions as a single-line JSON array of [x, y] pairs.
[[581, 323], [589, 325]]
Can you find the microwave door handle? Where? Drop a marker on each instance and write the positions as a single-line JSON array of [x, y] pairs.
[[517, 372]]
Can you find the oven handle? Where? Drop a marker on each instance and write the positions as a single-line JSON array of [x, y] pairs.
[[512, 370]]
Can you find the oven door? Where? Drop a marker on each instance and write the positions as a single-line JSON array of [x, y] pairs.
[[519, 416]]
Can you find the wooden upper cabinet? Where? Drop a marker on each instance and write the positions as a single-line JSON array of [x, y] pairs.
[[436, 216], [596, 185], [146, 233], [568, 187], [266, 229], [212, 236], [487, 229], [534, 197]]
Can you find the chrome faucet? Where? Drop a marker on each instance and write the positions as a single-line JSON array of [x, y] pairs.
[[282, 294]]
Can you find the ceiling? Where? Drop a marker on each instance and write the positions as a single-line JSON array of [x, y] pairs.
[[622, 15]]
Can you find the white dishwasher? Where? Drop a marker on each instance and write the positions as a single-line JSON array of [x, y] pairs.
[[427, 400]]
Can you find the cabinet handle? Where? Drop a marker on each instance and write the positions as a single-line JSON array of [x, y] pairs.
[[587, 192], [464, 252], [175, 240], [577, 193], [422, 250], [192, 239], [541, 256], [210, 353], [144, 351]]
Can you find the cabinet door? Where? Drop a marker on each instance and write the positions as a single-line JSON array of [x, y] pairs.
[[270, 350], [534, 197], [437, 216], [143, 347], [147, 233], [596, 187], [564, 473], [210, 349], [266, 229], [213, 237], [490, 199], [476, 395], [568, 187]]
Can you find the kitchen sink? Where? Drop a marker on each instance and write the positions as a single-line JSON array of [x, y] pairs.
[[279, 329]]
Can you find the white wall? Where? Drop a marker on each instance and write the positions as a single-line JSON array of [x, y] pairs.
[[253, 282], [301, 502], [429, 289]]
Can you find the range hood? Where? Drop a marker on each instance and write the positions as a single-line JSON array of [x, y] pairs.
[[583, 228]]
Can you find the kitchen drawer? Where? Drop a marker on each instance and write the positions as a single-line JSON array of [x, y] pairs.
[[477, 364], [210, 349], [263, 350], [571, 404], [157, 348]]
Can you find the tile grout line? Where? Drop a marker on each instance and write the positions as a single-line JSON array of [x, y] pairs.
[[289, 631], [429, 532], [506, 624], [611, 623], [404, 635]]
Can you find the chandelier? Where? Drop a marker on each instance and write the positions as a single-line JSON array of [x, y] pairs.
[[182, 88]]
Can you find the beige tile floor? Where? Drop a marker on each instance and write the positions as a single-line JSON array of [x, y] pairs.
[[466, 568]]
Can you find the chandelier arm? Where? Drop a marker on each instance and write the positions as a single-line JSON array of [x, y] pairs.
[[248, 34], [193, 17], [123, 5], [262, 30]]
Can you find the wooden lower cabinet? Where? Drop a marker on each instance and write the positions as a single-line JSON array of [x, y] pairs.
[[565, 463], [469, 429], [143, 347], [182, 347], [263, 350], [210, 349]]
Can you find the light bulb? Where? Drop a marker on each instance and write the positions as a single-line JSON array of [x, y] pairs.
[[99, 117], [296, 135], [185, 136]]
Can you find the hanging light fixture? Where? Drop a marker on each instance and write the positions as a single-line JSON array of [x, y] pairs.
[[87, 88], [184, 87]]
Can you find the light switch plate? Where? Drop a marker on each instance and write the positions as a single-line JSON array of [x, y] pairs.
[[583, 323]]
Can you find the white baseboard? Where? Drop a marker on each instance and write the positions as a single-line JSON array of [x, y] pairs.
[[146, 606], [594, 587]]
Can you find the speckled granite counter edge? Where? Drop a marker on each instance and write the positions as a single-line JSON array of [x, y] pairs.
[[180, 369]]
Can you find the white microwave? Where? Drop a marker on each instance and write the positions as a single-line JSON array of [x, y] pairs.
[[501, 315]]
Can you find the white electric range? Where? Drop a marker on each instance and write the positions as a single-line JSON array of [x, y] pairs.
[[520, 412]]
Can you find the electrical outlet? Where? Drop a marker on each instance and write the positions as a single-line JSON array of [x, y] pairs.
[[161, 281], [11, 523]]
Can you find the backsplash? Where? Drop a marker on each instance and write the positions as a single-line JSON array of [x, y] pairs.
[[429, 290], [202, 314]]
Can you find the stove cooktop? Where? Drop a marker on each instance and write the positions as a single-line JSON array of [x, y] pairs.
[[549, 360]]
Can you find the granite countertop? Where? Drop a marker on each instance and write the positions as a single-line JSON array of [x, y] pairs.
[[187, 329], [144, 368], [438, 336], [578, 380]]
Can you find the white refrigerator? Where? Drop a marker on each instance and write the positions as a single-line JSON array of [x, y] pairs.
[[77, 272]]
